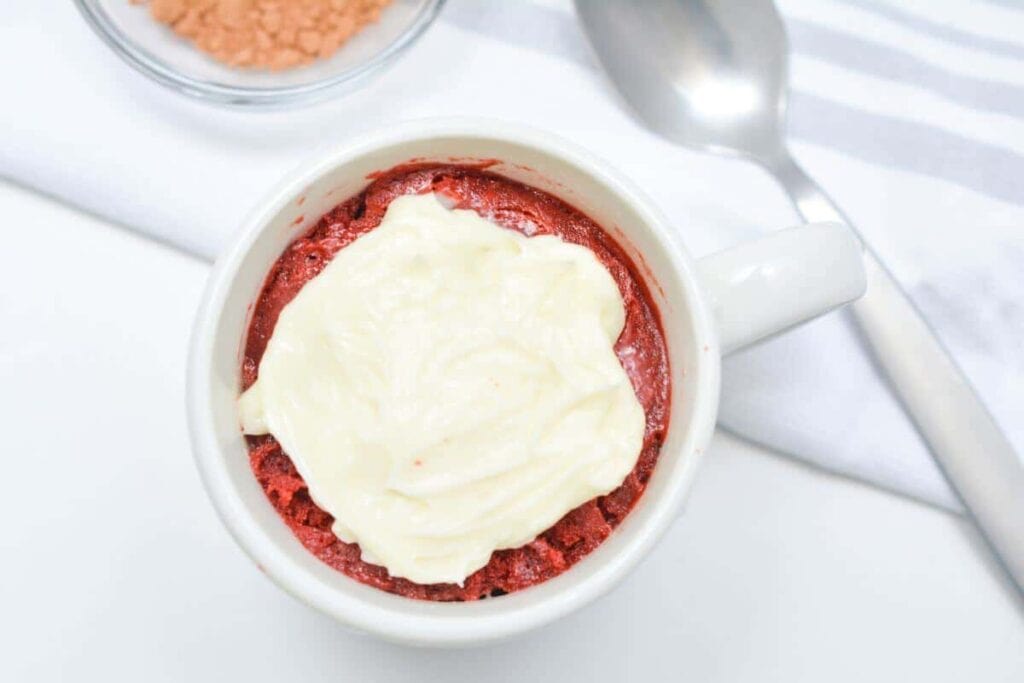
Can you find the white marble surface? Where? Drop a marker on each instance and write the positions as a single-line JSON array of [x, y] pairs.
[[115, 568]]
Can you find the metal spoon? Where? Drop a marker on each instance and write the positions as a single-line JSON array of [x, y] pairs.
[[711, 75]]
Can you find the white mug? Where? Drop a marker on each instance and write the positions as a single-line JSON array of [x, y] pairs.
[[708, 307]]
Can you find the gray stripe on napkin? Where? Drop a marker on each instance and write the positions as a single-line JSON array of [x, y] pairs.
[[1008, 4], [927, 150], [877, 59], [949, 34]]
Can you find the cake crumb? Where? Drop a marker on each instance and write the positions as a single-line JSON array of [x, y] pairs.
[[266, 34]]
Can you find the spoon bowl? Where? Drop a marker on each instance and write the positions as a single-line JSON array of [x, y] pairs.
[[709, 89]]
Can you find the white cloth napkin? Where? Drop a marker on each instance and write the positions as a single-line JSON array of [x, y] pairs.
[[911, 113]]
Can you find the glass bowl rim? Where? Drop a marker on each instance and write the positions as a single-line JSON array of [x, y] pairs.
[[212, 91]]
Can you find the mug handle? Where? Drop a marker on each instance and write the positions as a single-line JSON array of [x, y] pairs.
[[766, 286]]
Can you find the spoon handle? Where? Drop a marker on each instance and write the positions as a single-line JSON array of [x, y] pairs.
[[964, 439]]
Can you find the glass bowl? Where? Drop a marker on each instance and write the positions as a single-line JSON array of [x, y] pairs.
[[155, 50]]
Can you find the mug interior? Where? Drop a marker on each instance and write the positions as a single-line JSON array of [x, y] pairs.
[[215, 378]]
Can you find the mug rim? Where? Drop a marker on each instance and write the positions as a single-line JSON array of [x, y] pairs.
[[424, 628]]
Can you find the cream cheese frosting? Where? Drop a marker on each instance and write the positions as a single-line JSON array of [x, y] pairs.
[[447, 388]]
